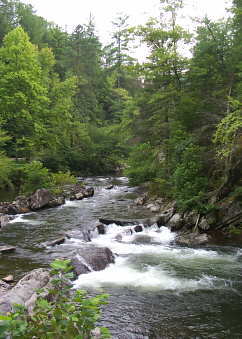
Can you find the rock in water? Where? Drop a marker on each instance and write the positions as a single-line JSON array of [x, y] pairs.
[[192, 239], [109, 187], [55, 242], [7, 249], [90, 258], [40, 199]]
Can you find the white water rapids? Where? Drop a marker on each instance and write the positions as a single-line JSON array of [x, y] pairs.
[[147, 260]]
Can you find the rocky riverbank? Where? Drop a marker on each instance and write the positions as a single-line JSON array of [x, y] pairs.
[[224, 220], [40, 199]]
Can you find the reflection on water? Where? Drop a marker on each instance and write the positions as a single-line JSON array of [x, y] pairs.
[[157, 289]]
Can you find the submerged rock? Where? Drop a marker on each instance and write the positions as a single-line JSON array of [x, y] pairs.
[[55, 242], [138, 228], [192, 239], [101, 229]]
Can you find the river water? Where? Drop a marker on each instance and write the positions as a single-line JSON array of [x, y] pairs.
[[157, 289]]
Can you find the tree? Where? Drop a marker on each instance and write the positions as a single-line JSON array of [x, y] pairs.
[[117, 54], [23, 96], [8, 18]]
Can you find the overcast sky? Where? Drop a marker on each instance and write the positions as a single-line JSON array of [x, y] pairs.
[[69, 13]]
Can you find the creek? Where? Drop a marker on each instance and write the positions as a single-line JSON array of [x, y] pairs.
[[157, 288]]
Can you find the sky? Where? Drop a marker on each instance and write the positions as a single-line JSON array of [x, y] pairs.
[[69, 13]]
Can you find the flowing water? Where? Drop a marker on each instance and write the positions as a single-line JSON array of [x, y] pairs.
[[157, 289]]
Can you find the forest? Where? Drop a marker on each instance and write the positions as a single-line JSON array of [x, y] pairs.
[[71, 106]]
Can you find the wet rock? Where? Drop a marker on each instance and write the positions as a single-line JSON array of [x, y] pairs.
[[9, 279], [176, 222], [90, 258], [79, 196], [4, 220], [101, 229], [7, 249], [164, 217], [24, 292], [109, 187], [82, 193], [89, 192], [192, 239], [57, 202], [118, 237], [40, 199], [55, 242], [138, 228]]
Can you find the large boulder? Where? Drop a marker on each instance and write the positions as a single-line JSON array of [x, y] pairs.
[[22, 204], [24, 293], [176, 222], [165, 216], [40, 199], [90, 258]]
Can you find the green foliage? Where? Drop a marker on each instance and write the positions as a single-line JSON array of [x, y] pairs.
[[6, 169], [228, 131], [35, 176], [189, 182], [65, 314], [62, 178], [141, 164]]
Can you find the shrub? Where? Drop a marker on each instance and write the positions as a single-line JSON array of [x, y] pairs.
[[63, 315], [35, 176], [62, 178]]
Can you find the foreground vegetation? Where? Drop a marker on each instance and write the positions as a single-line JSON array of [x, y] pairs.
[[70, 104], [63, 314]]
